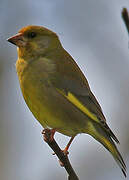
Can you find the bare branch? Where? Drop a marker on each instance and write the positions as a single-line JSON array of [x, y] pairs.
[[125, 16], [63, 159]]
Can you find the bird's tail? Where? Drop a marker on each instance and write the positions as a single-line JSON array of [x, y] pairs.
[[96, 131]]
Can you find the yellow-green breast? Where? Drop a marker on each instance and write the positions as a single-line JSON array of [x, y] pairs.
[[47, 105]]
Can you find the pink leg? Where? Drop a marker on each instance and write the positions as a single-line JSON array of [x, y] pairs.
[[68, 145]]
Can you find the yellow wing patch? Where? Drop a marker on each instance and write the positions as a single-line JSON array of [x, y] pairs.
[[78, 104]]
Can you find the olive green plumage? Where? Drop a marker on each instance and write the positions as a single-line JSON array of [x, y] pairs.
[[56, 91]]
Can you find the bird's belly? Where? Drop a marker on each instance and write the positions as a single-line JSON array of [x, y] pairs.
[[50, 108]]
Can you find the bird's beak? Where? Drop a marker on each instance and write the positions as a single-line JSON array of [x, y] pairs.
[[18, 40]]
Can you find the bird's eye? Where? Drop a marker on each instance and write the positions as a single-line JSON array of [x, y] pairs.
[[32, 35]]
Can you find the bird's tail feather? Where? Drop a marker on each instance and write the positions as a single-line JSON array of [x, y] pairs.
[[96, 131]]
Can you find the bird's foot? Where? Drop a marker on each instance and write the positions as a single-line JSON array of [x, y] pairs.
[[65, 151], [48, 134]]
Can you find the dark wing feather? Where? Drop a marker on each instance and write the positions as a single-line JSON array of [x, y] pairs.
[[69, 78]]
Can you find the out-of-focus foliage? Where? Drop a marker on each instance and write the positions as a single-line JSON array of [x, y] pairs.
[[95, 35]]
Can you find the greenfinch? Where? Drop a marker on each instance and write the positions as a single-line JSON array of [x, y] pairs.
[[57, 92]]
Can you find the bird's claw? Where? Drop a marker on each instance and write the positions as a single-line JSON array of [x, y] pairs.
[[48, 135], [65, 152]]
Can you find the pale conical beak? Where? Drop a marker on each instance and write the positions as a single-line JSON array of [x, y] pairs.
[[17, 39]]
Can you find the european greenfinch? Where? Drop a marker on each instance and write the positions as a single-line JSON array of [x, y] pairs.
[[57, 92]]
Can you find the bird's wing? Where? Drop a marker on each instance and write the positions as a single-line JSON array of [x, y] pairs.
[[72, 84], [86, 102], [82, 98]]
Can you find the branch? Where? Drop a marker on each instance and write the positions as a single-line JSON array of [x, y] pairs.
[[125, 16], [64, 161]]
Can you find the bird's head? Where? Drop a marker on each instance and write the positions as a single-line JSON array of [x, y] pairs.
[[35, 40]]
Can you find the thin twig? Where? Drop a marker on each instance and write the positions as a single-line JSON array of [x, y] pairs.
[[125, 16], [64, 161]]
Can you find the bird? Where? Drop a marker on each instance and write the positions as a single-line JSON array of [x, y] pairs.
[[57, 92]]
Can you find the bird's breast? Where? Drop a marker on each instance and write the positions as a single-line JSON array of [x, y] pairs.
[[35, 75], [35, 83]]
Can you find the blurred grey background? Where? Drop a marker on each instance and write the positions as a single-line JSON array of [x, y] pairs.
[[94, 34]]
